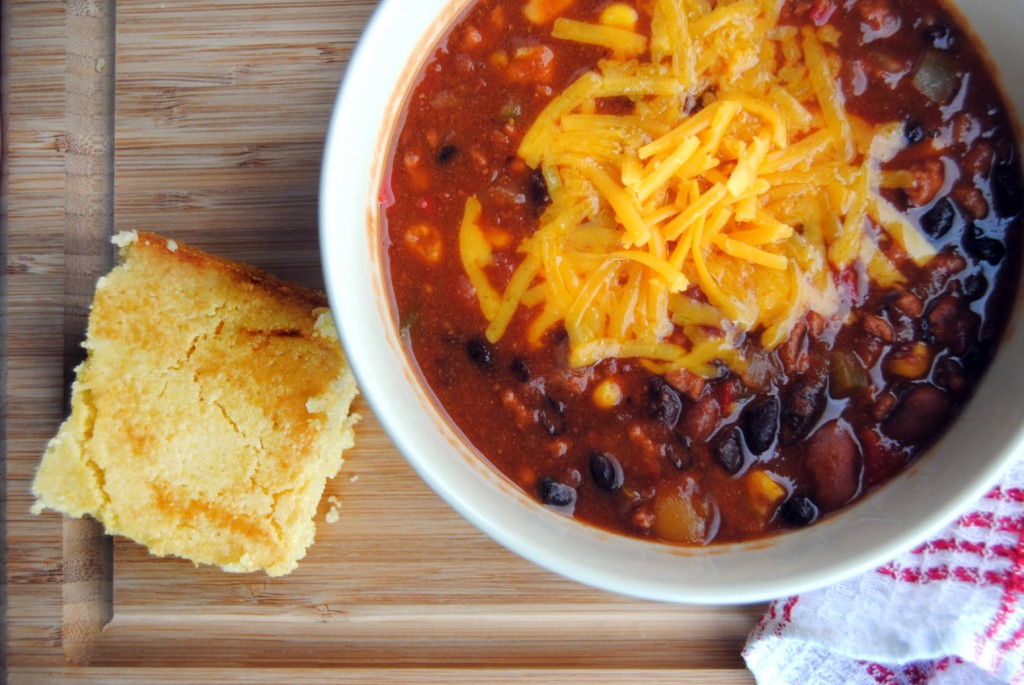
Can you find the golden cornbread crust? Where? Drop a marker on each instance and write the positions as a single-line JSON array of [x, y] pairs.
[[211, 409]]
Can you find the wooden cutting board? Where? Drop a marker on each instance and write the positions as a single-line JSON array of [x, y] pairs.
[[205, 121]]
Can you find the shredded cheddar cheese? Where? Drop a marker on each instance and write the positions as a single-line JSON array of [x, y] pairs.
[[719, 208]]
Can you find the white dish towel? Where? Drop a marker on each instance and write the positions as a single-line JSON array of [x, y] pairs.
[[948, 612]]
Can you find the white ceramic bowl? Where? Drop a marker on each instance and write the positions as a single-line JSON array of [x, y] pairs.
[[960, 469]]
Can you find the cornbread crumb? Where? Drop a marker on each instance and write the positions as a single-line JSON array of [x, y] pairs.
[[333, 515], [211, 409]]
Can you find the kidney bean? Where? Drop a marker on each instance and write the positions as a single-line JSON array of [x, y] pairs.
[[878, 327], [977, 162], [882, 406], [949, 374], [882, 456], [943, 267], [700, 419], [951, 322], [971, 200], [869, 349], [833, 458], [917, 414], [909, 304], [928, 179]]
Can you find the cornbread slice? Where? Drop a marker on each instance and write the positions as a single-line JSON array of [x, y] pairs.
[[211, 409]]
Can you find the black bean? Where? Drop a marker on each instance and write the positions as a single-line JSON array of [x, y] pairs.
[[663, 402], [552, 416], [976, 358], [981, 247], [802, 407], [521, 370], [799, 511], [446, 154], [557, 494], [937, 221], [481, 352], [927, 333], [760, 424], [729, 451], [940, 36], [678, 452], [913, 132], [1006, 189], [537, 190], [975, 286], [606, 471]]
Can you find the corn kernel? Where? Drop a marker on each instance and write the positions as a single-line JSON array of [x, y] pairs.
[[619, 15], [912, 364], [607, 394], [499, 59], [765, 493], [544, 11]]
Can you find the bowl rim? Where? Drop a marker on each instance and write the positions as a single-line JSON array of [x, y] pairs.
[[550, 540]]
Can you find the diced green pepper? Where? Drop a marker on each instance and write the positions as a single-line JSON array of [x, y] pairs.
[[847, 375]]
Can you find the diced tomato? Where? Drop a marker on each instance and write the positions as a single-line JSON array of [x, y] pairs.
[[531, 65], [386, 196], [822, 11], [881, 459]]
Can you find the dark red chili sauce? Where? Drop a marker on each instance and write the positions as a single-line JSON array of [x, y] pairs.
[[829, 418]]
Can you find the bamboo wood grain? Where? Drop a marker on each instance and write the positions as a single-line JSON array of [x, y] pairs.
[[218, 120], [88, 225]]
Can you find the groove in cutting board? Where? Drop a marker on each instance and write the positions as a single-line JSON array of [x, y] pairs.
[[89, 221]]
